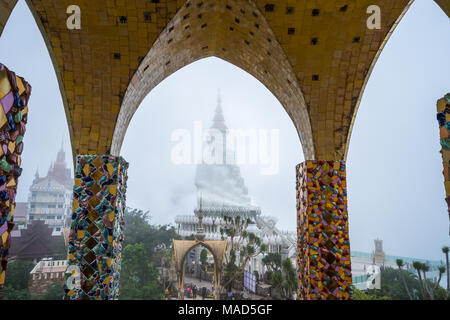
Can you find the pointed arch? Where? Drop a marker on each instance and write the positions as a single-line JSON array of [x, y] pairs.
[[234, 31], [6, 7], [445, 6]]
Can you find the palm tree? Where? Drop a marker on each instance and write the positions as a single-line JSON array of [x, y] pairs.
[[441, 272], [445, 251], [425, 269], [277, 282], [400, 264], [290, 278], [418, 266]]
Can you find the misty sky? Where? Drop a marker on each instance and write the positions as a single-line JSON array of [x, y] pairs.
[[395, 181]]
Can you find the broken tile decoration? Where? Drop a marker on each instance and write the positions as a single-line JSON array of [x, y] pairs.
[[443, 117], [14, 95], [96, 234], [323, 255]]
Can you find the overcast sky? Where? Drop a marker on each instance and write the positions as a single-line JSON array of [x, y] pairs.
[[395, 181]]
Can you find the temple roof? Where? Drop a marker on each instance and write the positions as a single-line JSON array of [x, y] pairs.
[[35, 242], [58, 171]]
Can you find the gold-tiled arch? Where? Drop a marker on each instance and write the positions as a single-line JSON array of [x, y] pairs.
[[323, 49]]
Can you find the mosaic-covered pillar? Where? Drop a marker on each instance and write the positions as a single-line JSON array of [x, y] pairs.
[[443, 117], [324, 269], [96, 235], [14, 95]]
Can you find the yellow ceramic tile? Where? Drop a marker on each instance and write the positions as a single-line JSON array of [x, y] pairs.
[[5, 86], [20, 86]]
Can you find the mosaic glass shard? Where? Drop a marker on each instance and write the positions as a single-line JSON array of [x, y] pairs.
[[443, 117], [14, 95], [96, 235], [324, 268]]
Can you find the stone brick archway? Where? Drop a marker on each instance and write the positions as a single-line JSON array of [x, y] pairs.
[[183, 247], [315, 57], [235, 31], [327, 56]]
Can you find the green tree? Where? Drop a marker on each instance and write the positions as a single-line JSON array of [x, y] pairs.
[[54, 292], [441, 270], [139, 230], [428, 287], [445, 250], [283, 275], [15, 294], [290, 282], [392, 285], [256, 274], [247, 244], [272, 261], [139, 277], [361, 295], [203, 257], [400, 265], [145, 246], [276, 281], [418, 266], [441, 294], [16, 282]]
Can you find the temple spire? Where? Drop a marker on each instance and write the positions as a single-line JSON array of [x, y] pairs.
[[200, 236], [36, 175], [61, 156], [219, 120]]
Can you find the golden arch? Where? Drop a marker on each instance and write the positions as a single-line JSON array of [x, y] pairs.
[[316, 61], [183, 247], [319, 83], [188, 38]]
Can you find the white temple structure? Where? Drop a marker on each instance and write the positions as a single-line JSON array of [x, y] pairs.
[[50, 197], [224, 193]]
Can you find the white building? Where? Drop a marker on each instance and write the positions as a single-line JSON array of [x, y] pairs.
[[224, 193], [364, 264], [49, 269], [45, 274], [50, 197]]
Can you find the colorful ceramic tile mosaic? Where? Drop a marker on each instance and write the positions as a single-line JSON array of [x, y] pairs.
[[14, 95], [443, 117], [96, 235], [324, 269]]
